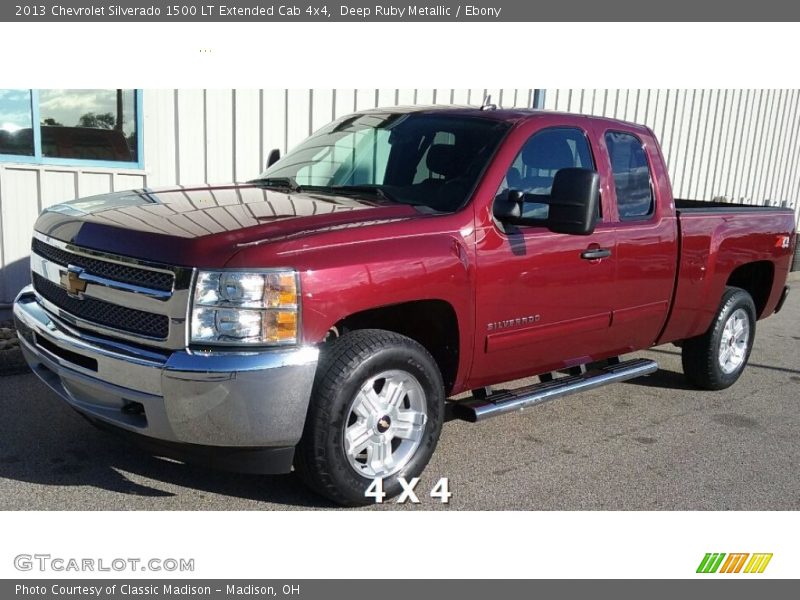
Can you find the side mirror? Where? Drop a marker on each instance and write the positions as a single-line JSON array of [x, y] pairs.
[[274, 156], [509, 206], [573, 201]]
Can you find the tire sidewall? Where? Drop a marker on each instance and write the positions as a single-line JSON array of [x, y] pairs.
[[736, 300], [405, 358]]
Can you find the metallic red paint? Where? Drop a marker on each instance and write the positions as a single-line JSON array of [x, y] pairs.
[[662, 282]]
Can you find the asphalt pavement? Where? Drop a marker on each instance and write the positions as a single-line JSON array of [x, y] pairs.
[[654, 443]]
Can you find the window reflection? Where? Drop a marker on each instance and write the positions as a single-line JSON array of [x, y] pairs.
[[74, 124], [89, 124], [16, 135]]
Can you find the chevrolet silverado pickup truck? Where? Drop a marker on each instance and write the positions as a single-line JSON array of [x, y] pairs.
[[322, 317]]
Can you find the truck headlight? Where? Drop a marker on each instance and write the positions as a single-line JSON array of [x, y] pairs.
[[238, 307]]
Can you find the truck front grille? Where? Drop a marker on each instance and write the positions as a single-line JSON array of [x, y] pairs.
[[155, 280], [116, 317], [122, 297]]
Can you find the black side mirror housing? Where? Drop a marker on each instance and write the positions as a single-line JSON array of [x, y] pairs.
[[573, 201], [508, 207], [274, 156]]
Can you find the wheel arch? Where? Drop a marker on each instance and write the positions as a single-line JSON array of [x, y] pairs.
[[756, 278], [433, 323]]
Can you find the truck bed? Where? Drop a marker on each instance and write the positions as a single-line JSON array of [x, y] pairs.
[[715, 239], [683, 205]]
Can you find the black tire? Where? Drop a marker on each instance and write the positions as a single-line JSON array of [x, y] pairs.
[[345, 365], [700, 355]]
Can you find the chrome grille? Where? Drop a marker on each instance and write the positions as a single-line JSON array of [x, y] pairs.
[[157, 280], [134, 321], [117, 296]]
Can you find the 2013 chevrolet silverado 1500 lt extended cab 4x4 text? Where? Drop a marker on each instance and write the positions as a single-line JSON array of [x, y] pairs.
[[319, 317]]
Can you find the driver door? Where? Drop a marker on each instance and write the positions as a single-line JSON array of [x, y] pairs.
[[544, 299]]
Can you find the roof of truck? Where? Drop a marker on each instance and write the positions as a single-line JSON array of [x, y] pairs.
[[510, 115]]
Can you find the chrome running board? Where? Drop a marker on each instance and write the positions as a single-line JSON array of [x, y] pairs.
[[500, 403]]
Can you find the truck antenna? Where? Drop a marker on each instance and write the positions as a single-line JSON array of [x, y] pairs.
[[487, 103]]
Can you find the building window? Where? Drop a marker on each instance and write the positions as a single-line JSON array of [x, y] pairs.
[[80, 127]]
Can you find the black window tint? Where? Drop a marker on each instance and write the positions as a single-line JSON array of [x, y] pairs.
[[631, 175], [538, 162]]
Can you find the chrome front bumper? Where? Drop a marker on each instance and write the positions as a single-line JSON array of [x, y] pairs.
[[240, 400]]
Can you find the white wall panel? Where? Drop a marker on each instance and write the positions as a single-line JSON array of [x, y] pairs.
[[91, 184], [219, 136], [248, 155], [475, 96], [787, 188], [344, 102], [19, 207], [191, 137], [406, 97], [128, 181], [423, 97], [365, 98], [298, 117], [730, 172], [460, 97], [160, 135], [387, 97], [442, 96], [58, 186], [273, 112], [321, 108]]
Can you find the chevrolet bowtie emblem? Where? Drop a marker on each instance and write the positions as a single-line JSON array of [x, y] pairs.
[[72, 282]]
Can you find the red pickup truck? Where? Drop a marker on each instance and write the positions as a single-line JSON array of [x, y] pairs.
[[320, 316]]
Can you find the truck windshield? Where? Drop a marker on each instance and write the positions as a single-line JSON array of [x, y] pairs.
[[410, 158]]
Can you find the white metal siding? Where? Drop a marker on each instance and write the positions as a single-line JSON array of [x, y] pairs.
[[194, 137]]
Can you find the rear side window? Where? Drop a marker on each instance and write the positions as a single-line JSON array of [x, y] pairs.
[[631, 175]]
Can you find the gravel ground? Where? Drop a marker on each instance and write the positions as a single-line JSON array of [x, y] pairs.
[[11, 360], [649, 444]]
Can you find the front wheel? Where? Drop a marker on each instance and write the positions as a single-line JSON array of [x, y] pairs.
[[716, 359], [376, 412]]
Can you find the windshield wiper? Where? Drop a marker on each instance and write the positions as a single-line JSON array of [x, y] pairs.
[[278, 182], [368, 188]]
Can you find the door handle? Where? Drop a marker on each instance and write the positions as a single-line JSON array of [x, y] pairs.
[[596, 253]]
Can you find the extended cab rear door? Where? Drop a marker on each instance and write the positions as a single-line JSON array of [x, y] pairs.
[[643, 219]]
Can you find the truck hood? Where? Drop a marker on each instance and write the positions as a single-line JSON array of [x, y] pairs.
[[204, 226]]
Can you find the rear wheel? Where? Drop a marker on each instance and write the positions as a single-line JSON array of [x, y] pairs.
[[716, 359], [376, 412]]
